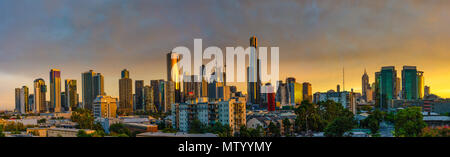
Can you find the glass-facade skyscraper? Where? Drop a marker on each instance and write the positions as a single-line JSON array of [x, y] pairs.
[[55, 90], [386, 81], [409, 83]]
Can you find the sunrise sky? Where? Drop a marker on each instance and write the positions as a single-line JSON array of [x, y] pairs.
[[316, 38]]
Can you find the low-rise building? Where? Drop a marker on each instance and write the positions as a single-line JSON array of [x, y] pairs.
[[64, 132]]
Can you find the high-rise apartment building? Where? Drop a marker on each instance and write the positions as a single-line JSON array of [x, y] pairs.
[[40, 90], [55, 90], [99, 85], [105, 107], [88, 94], [71, 95], [307, 92], [139, 95], [125, 93]]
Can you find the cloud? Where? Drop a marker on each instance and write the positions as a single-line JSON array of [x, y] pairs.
[[316, 38]]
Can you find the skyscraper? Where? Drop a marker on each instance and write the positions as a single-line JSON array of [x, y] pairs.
[[307, 91], [387, 86], [55, 90], [253, 79], [24, 92], [420, 84], [139, 91], [17, 93], [125, 93], [157, 98], [410, 83], [99, 87], [71, 95], [149, 105], [365, 85], [87, 80], [40, 90]]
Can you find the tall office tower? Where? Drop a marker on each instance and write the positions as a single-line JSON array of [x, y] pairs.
[[409, 83], [420, 84], [307, 91], [162, 93], [365, 85], [427, 91], [40, 90], [87, 80], [387, 86], [31, 103], [125, 93], [149, 105], [17, 92], [55, 90], [204, 84], [188, 88], [63, 102], [173, 73], [24, 108], [290, 83], [156, 94], [71, 95], [105, 107], [99, 85], [169, 97], [139, 91], [281, 94], [338, 88], [253, 82]]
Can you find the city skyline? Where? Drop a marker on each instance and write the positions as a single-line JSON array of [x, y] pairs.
[[70, 42]]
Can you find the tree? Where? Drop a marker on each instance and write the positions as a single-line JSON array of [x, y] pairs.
[[339, 126], [287, 126], [308, 118], [84, 118], [82, 133], [118, 129], [373, 121], [196, 127], [409, 122], [1, 131], [274, 130]]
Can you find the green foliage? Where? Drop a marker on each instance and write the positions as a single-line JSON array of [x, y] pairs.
[[274, 130], [373, 121], [84, 118], [409, 122], [287, 127], [316, 117], [119, 128], [308, 117], [339, 126], [13, 126], [82, 133], [196, 127], [249, 132], [169, 130]]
